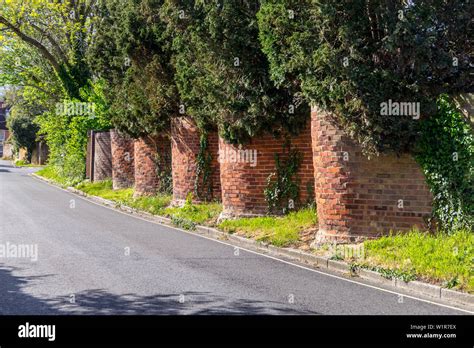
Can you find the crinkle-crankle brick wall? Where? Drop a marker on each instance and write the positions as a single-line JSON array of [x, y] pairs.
[[360, 197], [148, 150], [185, 147], [123, 165], [102, 156], [243, 182]]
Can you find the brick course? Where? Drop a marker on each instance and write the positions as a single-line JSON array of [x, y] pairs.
[[243, 184], [185, 147], [123, 165], [359, 197], [146, 149], [102, 156]]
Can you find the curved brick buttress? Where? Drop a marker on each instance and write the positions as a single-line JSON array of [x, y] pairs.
[[185, 147], [123, 166], [147, 150], [359, 197], [243, 181]]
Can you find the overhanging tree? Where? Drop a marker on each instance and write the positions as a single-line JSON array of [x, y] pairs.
[[58, 31], [21, 122], [350, 57], [131, 55], [221, 72]]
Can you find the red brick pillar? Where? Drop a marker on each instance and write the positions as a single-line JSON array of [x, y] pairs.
[[245, 169], [102, 156], [185, 147], [123, 166], [359, 197], [149, 150]]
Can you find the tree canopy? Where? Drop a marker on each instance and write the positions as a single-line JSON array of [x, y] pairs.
[[57, 30], [221, 72], [351, 57], [131, 54]]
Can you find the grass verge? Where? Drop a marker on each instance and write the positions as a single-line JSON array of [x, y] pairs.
[[151, 204], [202, 214], [437, 258], [49, 172], [280, 231], [23, 163]]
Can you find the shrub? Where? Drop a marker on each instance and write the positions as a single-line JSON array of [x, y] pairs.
[[445, 152], [349, 58], [221, 72]]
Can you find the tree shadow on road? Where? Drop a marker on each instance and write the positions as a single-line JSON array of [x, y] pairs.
[[98, 302], [14, 301]]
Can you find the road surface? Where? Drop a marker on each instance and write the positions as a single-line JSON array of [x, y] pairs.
[[94, 260]]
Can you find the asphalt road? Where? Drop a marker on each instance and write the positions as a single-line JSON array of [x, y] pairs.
[[94, 260]]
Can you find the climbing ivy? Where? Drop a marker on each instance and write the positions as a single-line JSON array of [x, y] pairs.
[[203, 181], [446, 154], [283, 187], [163, 171]]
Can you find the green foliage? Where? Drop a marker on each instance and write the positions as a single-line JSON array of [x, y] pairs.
[[283, 187], [205, 213], [56, 33], [349, 58], [23, 163], [23, 130], [221, 72], [131, 55], [163, 171], [280, 231], [203, 180], [151, 204], [50, 172], [104, 189], [445, 152], [66, 136], [435, 257], [183, 223]]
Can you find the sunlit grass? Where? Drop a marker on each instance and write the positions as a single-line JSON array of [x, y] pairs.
[[151, 204], [440, 258], [280, 231], [23, 163], [205, 213], [50, 172]]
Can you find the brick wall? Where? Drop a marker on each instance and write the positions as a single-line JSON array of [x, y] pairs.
[[102, 156], [357, 196], [243, 182], [147, 181], [185, 140], [123, 165]]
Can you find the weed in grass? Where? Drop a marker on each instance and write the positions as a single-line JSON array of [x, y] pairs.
[[279, 231], [183, 223], [205, 213], [441, 258]]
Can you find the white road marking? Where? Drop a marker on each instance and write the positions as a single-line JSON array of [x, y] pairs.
[[257, 253]]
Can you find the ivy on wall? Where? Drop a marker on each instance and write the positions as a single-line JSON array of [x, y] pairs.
[[445, 152], [203, 180], [283, 186], [163, 172]]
